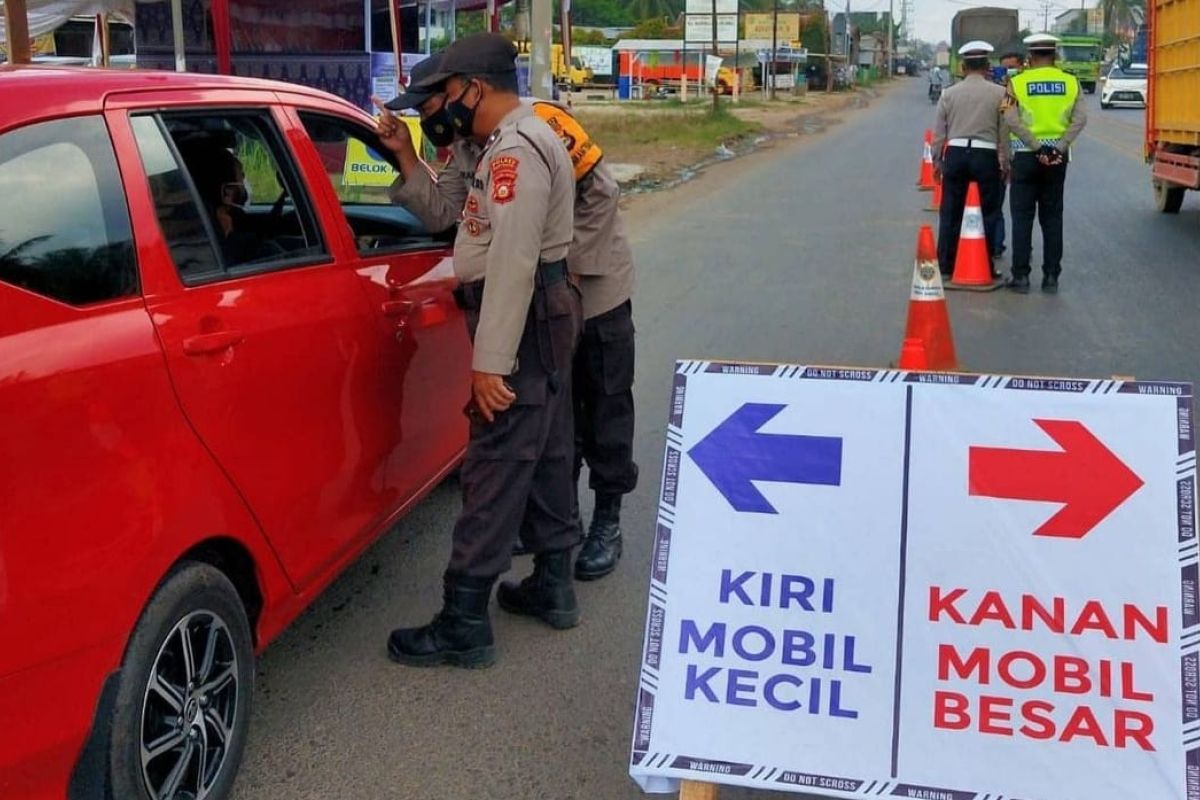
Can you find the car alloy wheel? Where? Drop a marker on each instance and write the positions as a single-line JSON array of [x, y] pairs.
[[190, 709]]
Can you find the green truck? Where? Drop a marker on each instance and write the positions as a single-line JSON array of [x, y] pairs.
[[1081, 56], [999, 27]]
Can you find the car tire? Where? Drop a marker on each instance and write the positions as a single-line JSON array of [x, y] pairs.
[[1105, 105], [1168, 199], [190, 703]]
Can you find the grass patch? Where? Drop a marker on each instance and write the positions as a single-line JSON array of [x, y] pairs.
[[675, 126]]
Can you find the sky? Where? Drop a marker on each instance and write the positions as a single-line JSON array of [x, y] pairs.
[[932, 17]]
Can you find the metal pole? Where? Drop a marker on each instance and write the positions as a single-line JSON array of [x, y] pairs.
[[774, 45], [713, 88], [394, 18], [428, 26], [541, 35], [737, 55], [177, 33]]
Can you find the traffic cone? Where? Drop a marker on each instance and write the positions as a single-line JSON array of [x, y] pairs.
[[928, 317], [935, 204], [913, 356], [925, 184], [972, 265]]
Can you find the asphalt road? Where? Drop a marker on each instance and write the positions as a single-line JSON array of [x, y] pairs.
[[799, 254]]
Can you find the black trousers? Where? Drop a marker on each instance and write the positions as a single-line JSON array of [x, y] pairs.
[[1037, 190], [960, 167], [517, 472], [604, 420]]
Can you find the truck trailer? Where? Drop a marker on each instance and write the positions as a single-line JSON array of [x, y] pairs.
[[999, 27], [1173, 103]]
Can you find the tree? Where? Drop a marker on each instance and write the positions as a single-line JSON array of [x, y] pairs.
[[650, 9], [651, 29], [1121, 17]]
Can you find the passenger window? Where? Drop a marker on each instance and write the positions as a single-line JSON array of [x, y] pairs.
[[362, 172], [229, 199], [64, 224]]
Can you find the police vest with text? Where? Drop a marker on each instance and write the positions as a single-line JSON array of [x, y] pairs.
[[1045, 99]]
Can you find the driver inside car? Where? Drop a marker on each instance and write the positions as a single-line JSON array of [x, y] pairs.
[[220, 179]]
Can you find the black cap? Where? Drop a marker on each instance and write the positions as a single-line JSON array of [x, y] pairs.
[[423, 83], [478, 54]]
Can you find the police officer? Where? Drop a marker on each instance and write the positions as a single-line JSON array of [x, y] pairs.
[[602, 262], [524, 317], [1045, 115], [966, 149], [1010, 64]]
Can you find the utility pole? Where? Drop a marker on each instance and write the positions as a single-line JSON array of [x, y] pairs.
[[774, 46], [541, 33], [891, 38]]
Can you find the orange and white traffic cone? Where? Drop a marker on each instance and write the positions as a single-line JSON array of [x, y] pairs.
[[925, 183], [972, 264], [928, 316], [935, 203], [913, 356]]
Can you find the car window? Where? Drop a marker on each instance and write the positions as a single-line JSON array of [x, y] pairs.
[[64, 223], [362, 173], [228, 197]]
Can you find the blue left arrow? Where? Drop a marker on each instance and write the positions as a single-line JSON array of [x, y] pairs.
[[735, 454]]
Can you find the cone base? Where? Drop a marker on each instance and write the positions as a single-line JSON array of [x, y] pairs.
[[973, 287]]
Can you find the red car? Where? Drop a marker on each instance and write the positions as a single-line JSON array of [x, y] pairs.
[[227, 364]]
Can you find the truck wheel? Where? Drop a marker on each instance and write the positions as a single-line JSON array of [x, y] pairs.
[[183, 696], [1168, 199]]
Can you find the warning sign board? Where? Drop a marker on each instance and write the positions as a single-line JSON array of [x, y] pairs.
[[951, 587]]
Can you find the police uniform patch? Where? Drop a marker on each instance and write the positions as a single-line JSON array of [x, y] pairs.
[[504, 178], [473, 227], [472, 204]]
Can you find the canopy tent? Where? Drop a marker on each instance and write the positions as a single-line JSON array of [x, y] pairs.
[[45, 16]]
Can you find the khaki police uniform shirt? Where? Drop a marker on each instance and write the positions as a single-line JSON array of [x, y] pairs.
[[600, 256], [971, 109], [439, 206], [518, 214]]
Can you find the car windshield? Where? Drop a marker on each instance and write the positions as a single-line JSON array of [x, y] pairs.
[[1079, 53], [1127, 72]]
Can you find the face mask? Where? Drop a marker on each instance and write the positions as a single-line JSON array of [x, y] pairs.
[[439, 128], [462, 117], [236, 194]]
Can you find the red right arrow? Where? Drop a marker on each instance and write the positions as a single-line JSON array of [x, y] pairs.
[[1085, 476]]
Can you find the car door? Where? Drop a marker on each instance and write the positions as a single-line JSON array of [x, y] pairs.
[[267, 336], [407, 277]]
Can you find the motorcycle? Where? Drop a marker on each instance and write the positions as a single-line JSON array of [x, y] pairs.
[[935, 92]]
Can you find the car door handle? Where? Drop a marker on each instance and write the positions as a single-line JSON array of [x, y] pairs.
[[208, 343], [398, 308]]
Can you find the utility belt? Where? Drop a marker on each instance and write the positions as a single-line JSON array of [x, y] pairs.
[[469, 296], [972, 144]]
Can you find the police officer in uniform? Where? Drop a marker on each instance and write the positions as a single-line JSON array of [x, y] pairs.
[[966, 149], [1045, 115], [524, 317], [601, 262], [1010, 64]]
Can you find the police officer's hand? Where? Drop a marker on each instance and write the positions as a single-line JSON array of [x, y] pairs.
[[393, 133], [492, 395]]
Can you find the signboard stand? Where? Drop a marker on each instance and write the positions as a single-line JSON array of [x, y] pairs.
[[695, 790]]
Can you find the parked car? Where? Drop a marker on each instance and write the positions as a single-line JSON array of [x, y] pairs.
[[1124, 86], [213, 397]]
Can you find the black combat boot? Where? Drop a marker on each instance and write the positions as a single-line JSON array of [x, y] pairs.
[[460, 634], [602, 547], [548, 594]]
